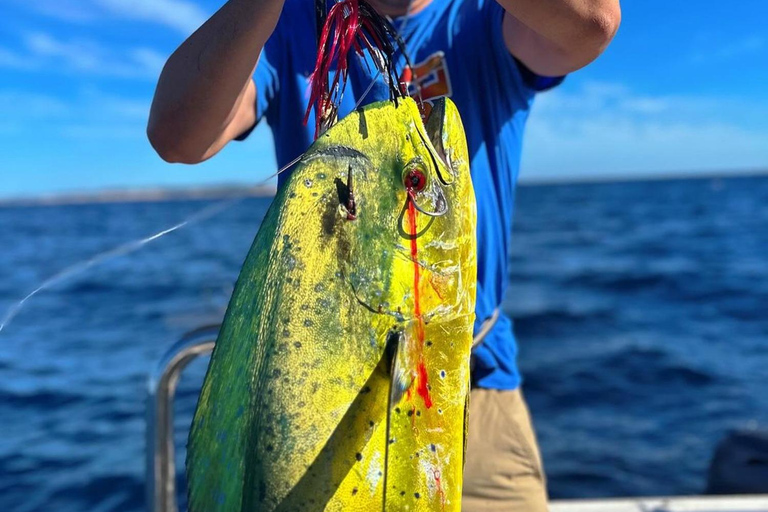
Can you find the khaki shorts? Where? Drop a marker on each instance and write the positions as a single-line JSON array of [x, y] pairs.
[[503, 471]]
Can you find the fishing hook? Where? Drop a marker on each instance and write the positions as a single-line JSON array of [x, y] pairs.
[[441, 204]]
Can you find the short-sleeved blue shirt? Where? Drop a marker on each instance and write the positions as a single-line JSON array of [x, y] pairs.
[[457, 50]]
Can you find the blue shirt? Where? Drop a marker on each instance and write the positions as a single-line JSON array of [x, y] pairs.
[[457, 50]]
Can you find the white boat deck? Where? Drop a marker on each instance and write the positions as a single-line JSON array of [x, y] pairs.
[[755, 503]]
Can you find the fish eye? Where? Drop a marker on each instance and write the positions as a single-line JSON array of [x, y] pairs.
[[414, 180]]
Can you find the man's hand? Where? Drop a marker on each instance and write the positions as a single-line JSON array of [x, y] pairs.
[[205, 96], [556, 37]]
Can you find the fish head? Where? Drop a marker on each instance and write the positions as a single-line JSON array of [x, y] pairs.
[[401, 210]]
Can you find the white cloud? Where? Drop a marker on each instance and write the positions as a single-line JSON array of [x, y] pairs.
[[102, 132], [153, 61], [90, 114], [110, 106], [81, 55], [32, 105], [44, 52], [604, 129], [747, 45], [181, 15], [13, 60], [74, 11], [600, 98]]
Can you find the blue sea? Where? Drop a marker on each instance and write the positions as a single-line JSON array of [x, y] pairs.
[[641, 310]]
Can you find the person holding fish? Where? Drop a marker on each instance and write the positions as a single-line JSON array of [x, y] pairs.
[[254, 58]]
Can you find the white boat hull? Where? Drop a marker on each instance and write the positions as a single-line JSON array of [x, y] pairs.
[[755, 503]]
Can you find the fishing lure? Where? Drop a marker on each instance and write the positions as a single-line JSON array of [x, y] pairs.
[[350, 27]]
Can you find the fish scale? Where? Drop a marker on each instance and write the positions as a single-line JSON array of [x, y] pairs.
[[340, 376]]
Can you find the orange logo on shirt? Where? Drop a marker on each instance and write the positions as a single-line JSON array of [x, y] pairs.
[[431, 75]]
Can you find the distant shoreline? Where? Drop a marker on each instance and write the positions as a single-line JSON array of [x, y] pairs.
[[148, 195], [211, 193], [633, 178]]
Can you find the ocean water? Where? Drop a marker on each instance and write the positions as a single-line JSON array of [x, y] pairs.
[[640, 310]]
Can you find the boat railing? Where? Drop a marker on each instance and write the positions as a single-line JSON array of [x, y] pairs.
[[161, 466], [160, 453]]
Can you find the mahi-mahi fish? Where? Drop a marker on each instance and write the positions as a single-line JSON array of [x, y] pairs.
[[340, 377]]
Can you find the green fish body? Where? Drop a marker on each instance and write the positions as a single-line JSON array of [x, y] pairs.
[[340, 377]]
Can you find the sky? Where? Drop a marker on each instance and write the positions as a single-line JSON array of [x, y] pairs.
[[682, 89]]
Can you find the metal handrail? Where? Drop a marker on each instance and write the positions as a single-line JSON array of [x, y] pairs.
[[161, 391], [161, 464]]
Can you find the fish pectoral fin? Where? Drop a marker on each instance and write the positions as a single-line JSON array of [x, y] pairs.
[[400, 377], [466, 427]]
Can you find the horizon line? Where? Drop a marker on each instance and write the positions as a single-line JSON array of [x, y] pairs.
[[159, 193], [648, 176]]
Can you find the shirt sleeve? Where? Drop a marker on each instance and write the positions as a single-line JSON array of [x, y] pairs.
[[534, 81], [267, 79]]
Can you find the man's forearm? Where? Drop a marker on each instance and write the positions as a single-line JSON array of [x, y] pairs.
[[558, 36], [207, 78]]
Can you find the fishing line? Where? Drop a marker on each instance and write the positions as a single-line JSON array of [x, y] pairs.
[[120, 250], [134, 245], [399, 31], [370, 86], [131, 247]]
